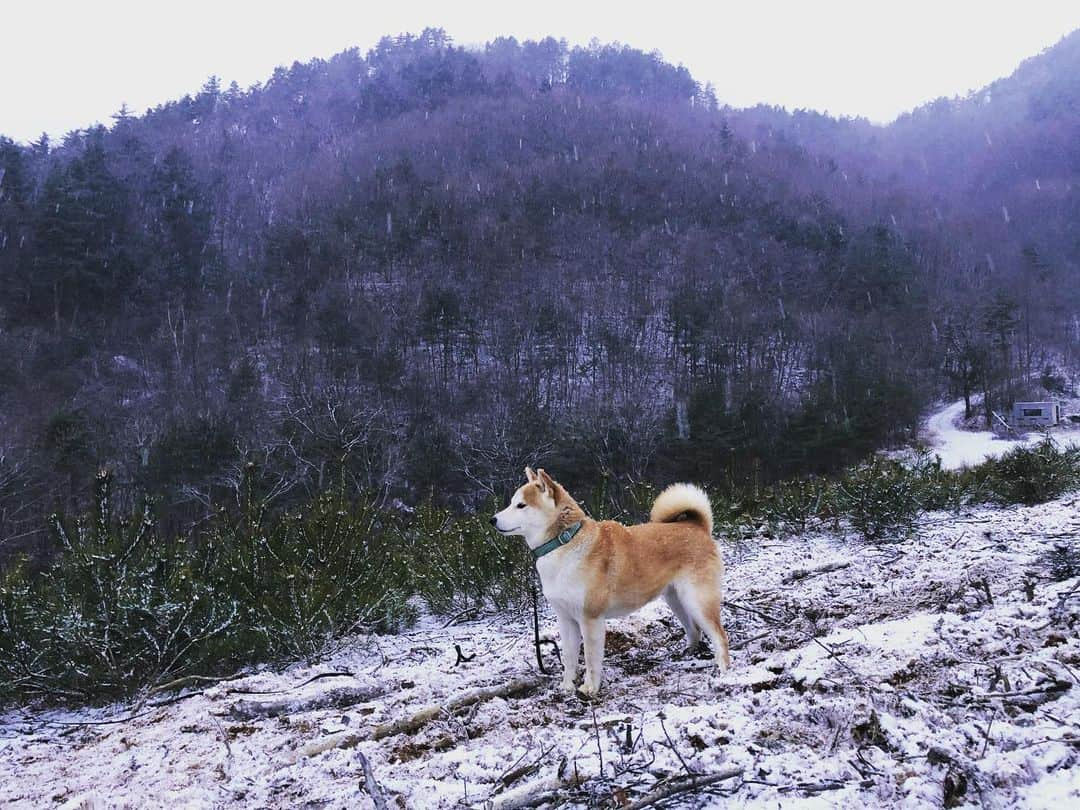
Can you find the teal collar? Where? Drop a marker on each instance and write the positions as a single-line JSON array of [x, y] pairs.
[[561, 539]]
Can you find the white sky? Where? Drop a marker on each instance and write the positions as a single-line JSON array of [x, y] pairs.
[[68, 63]]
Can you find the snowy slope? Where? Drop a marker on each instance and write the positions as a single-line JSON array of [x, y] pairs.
[[923, 666]]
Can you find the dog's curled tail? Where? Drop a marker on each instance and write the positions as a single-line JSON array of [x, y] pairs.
[[682, 499]]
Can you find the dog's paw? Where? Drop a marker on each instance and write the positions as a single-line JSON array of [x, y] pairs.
[[589, 688], [718, 676], [567, 685]]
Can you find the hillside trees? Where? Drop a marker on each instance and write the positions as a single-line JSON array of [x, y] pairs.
[[413, 269]]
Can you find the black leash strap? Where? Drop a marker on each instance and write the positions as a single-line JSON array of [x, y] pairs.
[[536, 632]]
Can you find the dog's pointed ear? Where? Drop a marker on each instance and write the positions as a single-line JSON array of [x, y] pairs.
[[546, 483], [530, 475]]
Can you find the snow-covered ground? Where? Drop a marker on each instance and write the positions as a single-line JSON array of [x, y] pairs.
[[943, 433], [947, 663]]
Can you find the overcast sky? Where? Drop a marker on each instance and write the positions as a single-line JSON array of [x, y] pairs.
[[69, 63]]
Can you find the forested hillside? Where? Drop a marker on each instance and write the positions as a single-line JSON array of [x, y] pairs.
[[414, 270]]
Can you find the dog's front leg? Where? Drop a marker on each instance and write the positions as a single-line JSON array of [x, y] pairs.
[[593, 630], [570, 635]]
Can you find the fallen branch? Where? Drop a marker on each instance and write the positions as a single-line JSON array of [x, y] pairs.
[[179, 683], [684, 785], [373, 788], [408, 725], [804, 573], [1029, 699], [738, 645], [540, 790], [417, 720], [332, 699], [342, 674], [737, 606]]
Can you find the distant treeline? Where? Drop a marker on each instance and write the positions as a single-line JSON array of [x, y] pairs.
[[413, 271]]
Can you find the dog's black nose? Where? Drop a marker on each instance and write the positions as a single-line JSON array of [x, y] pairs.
[[493, 520]]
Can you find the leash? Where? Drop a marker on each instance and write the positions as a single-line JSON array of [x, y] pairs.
[[536, 631]]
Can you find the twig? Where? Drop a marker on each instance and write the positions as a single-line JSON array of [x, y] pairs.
[[127, 719], [671, 745], [453, 619], [804, 573], [517, 770], [342, 674], [986, 735], [836, 657], [536, 632], [738, 645], [373, 788], [181, 682], [224, 739], [765, 616], [599, 748], [421, 718]]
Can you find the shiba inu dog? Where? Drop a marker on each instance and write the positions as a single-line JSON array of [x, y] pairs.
[[592, 570]]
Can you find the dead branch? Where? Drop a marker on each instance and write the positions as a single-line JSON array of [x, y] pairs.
[[417, 720], [540, 790], [342, 674], [333, 699], [805, 573], [683, 785], [224, 739], [1029, 699], [373, 788], [407, 725], [179, 683]]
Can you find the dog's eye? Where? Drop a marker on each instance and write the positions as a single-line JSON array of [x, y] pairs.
[[521, 506]]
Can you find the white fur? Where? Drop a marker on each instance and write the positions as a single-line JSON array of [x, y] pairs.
[[682, 498], [523, 520]]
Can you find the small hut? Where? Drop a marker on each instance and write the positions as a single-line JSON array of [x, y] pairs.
[[1036, 414]]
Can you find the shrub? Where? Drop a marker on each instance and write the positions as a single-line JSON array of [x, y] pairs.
[[880, 498], [1031, 475], [116, 609], [121, 608], [938, 488], [457, 564], [793, 504]]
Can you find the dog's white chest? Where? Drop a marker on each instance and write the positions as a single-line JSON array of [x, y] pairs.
[[563, 585]]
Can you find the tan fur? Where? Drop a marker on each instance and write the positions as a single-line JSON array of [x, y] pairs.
[[610, 570]]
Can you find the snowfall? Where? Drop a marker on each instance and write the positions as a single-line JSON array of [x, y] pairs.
[[940, 669]]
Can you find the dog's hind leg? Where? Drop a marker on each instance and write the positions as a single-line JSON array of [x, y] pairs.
[[593, 631], [570, 636], [702, 602], [693, 632]]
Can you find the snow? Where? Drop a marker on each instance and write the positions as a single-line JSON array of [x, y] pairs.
[[863, 686], [958, 447]]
